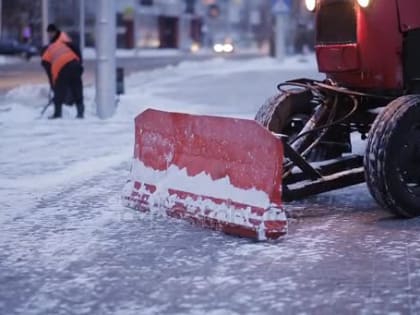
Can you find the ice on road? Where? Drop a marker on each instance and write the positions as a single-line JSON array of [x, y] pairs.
[[67, 246]]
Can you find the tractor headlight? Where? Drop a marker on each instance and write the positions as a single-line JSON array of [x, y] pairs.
[[363, 3], [310, 5]]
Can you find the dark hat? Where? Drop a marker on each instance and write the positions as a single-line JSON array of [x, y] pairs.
[[52, 28]]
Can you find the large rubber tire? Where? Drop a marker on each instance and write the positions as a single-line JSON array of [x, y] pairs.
[[278, 111], [392, 158], [287, 113]]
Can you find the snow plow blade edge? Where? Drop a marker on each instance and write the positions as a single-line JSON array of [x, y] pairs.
[[217, 172]]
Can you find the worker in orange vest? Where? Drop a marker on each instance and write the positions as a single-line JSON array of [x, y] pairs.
[[62, 61]]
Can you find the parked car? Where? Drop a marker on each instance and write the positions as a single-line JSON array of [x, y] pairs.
[[15, 48]]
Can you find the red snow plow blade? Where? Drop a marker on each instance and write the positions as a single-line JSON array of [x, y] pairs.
[[221, 173]]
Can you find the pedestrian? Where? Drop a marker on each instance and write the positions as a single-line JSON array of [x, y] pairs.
[[62, 61], [26, 34]]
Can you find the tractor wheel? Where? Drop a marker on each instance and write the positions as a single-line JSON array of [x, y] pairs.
[[392, 158], [286, 113]]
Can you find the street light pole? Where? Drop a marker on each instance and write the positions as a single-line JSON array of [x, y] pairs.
[[105, 59], [82, 25], [281, 11], [44, 22], [1, 21]]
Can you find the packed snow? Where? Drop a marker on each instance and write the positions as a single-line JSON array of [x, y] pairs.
[[201, 184], [9, 60], [69, 246], [68, 150]]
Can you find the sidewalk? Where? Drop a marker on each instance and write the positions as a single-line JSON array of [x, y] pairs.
[[15, 71]]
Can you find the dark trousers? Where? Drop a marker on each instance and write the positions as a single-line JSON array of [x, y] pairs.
[[69, 80]]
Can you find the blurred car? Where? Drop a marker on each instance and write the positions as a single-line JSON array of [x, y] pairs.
[[224, 46], [14, 48]]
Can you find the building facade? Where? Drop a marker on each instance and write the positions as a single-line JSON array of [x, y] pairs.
[[173, 23], [165, 23]]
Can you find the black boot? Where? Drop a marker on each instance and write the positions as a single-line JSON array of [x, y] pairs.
[[80, 110], [57, 112]]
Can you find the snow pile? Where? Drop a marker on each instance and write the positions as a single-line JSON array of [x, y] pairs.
[[9, 60], [201, 184], [26, 94]]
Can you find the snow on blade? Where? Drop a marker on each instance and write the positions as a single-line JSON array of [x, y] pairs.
[[201, 184], [205, 201], [218, 172]]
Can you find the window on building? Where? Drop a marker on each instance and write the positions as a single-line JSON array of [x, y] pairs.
[[189, 6], [146, 2]]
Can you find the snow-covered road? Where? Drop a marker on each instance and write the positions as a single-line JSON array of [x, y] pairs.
[[67, 246]]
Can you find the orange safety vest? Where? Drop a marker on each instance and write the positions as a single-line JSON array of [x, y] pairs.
[[58, 54], [64, 37]]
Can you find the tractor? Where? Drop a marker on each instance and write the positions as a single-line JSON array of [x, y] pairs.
[[370, 53], [301, 141]]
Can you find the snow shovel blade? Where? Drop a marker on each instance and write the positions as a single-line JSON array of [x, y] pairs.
[[221, 173]]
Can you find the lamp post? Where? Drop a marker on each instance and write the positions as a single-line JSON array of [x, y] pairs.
[[281, 12], [82, 25], [105, 59], [44, 15], [1, 15]]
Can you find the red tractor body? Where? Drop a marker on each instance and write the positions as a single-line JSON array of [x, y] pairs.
[[363, 48]]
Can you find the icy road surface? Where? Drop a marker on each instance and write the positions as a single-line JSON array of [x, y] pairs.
[[67, 246]]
